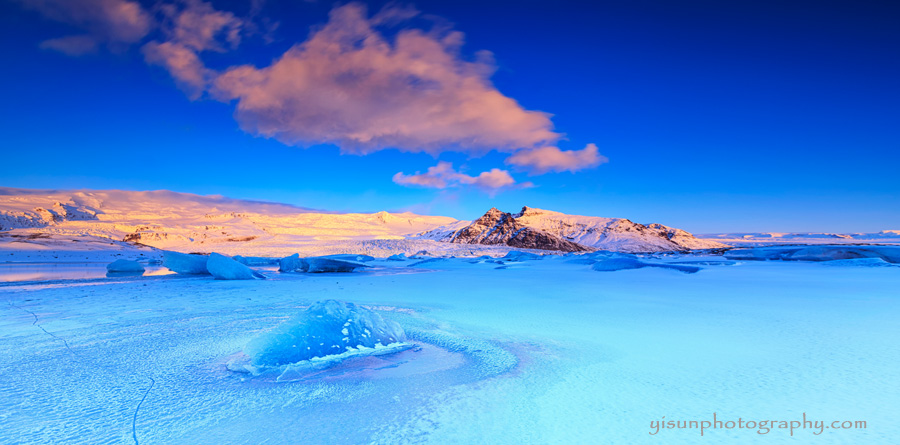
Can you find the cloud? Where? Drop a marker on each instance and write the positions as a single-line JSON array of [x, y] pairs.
[[443, 175], [76, 45], [200, 27], [182, 63], [191, 29], [115, 23], [349, 86], [552, 159]]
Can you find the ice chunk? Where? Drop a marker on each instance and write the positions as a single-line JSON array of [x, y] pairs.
[[326, 328], [293, 263], [830, 253], [322, 264], [349, 257], [890, 254], [516, 255], [422, 255], [614, 264], [397, 257], [124, 266], [225, 268], [185, 264], [254, 260], [860, 262]]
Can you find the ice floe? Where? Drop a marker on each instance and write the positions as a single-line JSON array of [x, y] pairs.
[[125, 267], [225, 268], [184, 263]]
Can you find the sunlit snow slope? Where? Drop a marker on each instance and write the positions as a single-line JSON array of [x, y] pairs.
[[188, 223]]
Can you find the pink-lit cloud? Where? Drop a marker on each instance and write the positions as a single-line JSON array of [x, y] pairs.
[[551, 159], [200, 27], [350, 86], [443, 175], [182, 63], [115, 23], [192, 28], [347, 84]]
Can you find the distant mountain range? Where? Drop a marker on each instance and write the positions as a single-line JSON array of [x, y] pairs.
[[194, 223], [744, 238]]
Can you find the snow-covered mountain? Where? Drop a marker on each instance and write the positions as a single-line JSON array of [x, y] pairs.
[[496, 227], [745, 238], [193, 223], [49, 219], [560, 231]]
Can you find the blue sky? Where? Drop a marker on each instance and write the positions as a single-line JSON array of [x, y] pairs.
[[714, 116]]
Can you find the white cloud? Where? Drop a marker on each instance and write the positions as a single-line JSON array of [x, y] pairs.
[[443, 175], [350, 86], [552, 159]]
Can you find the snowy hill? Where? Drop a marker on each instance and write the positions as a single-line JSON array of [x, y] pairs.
[[191, 223], [588, 231]]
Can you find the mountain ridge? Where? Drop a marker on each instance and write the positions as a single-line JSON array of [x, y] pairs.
[[587, 232]]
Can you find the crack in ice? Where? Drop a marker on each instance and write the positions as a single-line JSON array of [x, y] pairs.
[[34, 323], [137, 408]]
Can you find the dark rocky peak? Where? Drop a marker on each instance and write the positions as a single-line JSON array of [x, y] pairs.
[[491, 217]]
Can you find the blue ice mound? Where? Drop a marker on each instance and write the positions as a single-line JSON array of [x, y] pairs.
[[225, 268], [614, 264], [349, 257], [516, 255], [323, 264], [397, 257], [183, 263], [293, 263], [125, 267], [326, 328]]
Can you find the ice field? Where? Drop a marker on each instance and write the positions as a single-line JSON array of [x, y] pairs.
[[533, 351]]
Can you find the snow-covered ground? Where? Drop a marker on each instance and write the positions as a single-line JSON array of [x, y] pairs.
[[531, 352]]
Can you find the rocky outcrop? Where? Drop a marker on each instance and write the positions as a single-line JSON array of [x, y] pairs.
[[496, 227]]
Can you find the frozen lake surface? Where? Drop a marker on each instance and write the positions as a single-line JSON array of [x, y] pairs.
[[541, 351], [18, 272]]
